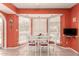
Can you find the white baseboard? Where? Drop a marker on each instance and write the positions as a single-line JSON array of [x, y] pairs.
[[74, 51], [64, 47], [14, 47], [70, 48]]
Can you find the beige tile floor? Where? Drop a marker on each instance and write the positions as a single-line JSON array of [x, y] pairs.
[[25, 51]]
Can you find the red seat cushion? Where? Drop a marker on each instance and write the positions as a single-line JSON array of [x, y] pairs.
[[31, 44], [44, 44]]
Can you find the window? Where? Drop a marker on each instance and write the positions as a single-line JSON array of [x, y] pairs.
[[24, 29]]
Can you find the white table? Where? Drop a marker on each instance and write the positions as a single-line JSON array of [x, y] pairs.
[[40, 41]]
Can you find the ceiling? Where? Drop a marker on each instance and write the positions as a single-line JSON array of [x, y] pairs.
[[6, 9], [44, 5]]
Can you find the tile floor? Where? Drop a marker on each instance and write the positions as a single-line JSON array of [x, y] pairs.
[[25, 51]]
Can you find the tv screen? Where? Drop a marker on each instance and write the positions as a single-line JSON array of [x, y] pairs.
[[70, 31]]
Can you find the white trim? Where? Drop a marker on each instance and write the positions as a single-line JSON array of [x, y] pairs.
[[11, 48], [2, 33], [64, 47], [15, 47], [70, 49], [74, 51], [6, 9], [5, 30]]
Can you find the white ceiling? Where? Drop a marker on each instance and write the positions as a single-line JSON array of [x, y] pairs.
[[44, 5], [6, 9]]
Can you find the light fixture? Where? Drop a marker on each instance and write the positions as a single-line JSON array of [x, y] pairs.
[[11, 23], [74, 19]]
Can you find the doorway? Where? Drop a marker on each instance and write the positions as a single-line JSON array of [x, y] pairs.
[[2, 31]]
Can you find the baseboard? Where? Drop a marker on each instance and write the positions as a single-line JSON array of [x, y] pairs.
[[74, 51], [64, 47], [12, 47], [70, 48], [15, 47]]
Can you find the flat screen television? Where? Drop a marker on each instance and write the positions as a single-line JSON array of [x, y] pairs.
[[70, 31]]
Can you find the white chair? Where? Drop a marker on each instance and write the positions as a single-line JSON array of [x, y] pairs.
[[44, 44], [32, 46]]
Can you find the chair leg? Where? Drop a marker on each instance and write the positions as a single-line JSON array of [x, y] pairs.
[[48, 49], [29, 51], [40, 50], [35, 50]]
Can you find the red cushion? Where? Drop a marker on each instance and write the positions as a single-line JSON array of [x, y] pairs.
[[31, 44], [44, 44]]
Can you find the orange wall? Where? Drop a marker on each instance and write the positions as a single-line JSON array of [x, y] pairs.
[[12, 34], [74, 43], [42, 11], [65, 23]]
